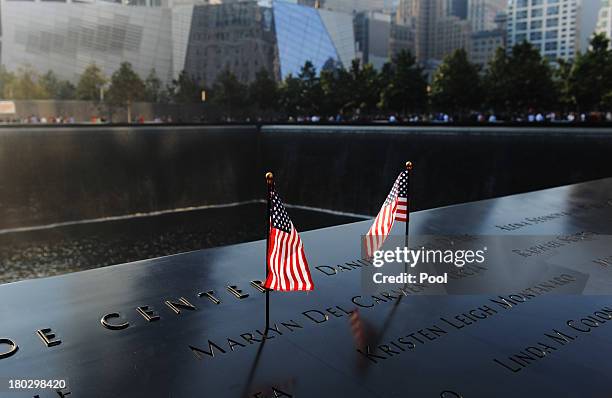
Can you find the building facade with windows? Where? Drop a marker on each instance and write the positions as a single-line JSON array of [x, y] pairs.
[[552, 26], [485, 43], [238, 37], [604, 21], [323, 37], [67, 37], [202, 37], [482, 13]]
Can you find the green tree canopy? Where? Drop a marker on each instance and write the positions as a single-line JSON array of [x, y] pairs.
[[90, 84], [290, 93], [336, 91], [520, 81], [590, 78], [126, 88], [364, 85], [185, 90], [456, 86], [310, 90], [405, 87], [153, 91], [27, 85], [7, 83], [263, 91], [56, 88], [229, 93]]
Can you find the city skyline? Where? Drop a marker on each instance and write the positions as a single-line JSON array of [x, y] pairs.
[[206, 37]]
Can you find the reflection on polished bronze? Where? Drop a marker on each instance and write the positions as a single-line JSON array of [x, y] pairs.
[[233, 289], [113, 326], [181, 303], [412, 341], [48, 337], [147, 313], [12, 350], [211, 297], [257, 284]]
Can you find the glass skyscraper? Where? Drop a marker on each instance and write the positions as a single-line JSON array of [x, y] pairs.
[[204, 40], [304, 34]]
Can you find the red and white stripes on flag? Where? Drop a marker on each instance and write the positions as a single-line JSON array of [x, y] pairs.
[[287, 265], [394, 209]]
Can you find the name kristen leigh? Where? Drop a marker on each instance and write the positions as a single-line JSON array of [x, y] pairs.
[[115, 321]]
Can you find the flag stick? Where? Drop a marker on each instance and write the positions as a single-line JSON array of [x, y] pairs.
[[270, 183], [409, 169]]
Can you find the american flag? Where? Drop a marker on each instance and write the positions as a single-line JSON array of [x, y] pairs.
[[287, 265], [394, 209]]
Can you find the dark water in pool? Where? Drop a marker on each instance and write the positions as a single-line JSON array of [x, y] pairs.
[[55, 251]]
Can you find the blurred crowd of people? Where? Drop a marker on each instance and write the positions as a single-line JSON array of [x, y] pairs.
[[475, 118]]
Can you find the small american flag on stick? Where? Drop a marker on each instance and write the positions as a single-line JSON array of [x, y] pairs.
[[394, 209], [287, 266]]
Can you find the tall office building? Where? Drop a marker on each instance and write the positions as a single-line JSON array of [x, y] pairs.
[[426, 13], [604, 22], [589, 14], [349, 6], [231, 36], [438, 32], [457, 8], [482, 13], [323, 37], [552, 26], [485, 43], [449, 34]]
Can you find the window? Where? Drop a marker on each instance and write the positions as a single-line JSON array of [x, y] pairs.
[[536, 24], [535, 36], [551, 46], [552, 22], [552, 34]]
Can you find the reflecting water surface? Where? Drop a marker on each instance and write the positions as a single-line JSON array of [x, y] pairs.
[[55, 251]]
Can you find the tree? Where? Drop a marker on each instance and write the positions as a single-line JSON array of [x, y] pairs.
[[497, 82], [290, 94], [562, 76], [521, 81], [65, 90], [7, 83], [91, 83], [456, 86], [334, 88], [263, 91], [607, 101], [310, 89], [126, 88], [27, 85], [185, 90], [364, 88], [56, 88], [406, 87], [153, 91], [229, 93], [590, 79]]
